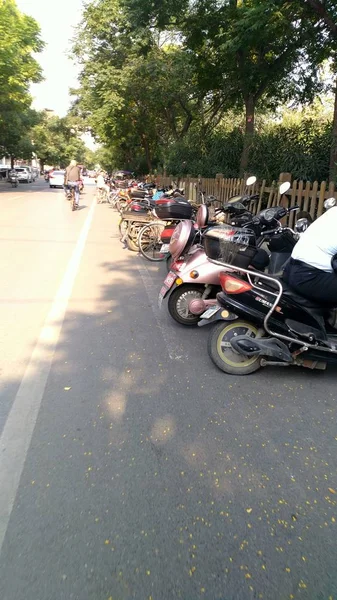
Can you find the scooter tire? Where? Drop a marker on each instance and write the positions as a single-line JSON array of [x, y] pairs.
[[177, 303], [229, 361]]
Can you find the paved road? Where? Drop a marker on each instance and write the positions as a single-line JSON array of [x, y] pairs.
[[131, 467]]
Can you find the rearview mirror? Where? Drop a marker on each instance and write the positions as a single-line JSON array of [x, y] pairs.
[[330, 203], [284, 187], [251, 180]]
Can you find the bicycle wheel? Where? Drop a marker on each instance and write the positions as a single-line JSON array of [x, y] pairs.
[[150, 242], [112, 198], [121, 205]]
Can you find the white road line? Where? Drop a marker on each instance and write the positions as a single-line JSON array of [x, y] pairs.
[[174, 351], [17, 433]]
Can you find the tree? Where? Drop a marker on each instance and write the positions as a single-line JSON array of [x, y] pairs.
[[249, 51], [56, 141], [325, 14], [138, 90], [19, 40], [15, 129]]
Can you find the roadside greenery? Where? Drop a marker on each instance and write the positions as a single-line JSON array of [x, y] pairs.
[[57, 140], [24, 131], [19, 40], [159, 81], [297, 143]]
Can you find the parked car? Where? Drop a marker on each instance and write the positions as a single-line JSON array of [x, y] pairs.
[[24, 175], [56, 179]]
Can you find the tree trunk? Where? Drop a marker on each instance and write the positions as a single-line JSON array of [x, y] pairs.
[[147, 152], [333, 151], [12, 162], [249, 132]]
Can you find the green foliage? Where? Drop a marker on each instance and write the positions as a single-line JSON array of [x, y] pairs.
[[19, 40], [299, 145], [15, 130], [250, 52], [301, 149], [158, 78], [57, 141], [138, 90]]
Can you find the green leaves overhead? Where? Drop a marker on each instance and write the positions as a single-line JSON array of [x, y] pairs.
[[152, 69], [19, 40], [57, 140]]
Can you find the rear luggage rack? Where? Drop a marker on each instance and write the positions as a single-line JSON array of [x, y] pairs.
[[277, 294]]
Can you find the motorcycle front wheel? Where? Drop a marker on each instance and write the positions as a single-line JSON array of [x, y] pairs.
[[222, 353], [178, 303]]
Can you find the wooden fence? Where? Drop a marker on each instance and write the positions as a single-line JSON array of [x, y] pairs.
[[308, 196]]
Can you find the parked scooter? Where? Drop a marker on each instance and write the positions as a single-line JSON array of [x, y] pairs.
[[13, 178], [193, 281], [262, 321], [236, 208]]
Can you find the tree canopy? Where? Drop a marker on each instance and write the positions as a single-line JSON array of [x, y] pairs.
[[19, 41], [152, 70], [57, 140]]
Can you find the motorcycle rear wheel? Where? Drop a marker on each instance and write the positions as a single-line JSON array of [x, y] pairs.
[[221, 352]]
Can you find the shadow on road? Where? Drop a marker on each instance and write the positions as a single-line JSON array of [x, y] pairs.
[[149, 478]]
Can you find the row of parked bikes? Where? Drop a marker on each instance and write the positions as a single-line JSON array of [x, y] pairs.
[[225, 268]]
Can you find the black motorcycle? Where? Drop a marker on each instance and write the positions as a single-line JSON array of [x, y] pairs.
[[262, 321]]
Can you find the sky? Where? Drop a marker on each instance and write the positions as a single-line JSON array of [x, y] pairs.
[[58, 22]]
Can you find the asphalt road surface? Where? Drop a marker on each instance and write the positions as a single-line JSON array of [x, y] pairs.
[[130, 467]]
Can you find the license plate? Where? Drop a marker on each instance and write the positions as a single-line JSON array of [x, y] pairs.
[[168, 283], [164, 248], [210, 312], [170, 279]]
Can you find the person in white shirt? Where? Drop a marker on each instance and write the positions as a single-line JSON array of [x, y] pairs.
[[101, 186], [310, 271]]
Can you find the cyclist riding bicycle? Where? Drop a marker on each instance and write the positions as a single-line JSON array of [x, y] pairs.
[[72, 177], [102, 188]]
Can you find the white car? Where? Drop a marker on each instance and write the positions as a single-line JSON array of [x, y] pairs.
[[32, 172], [56, 179], [24, 174]]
